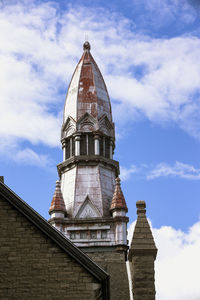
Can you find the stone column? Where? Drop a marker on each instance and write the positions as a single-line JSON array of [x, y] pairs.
[[77, 145], [142, 255], [64, 151], [96, 145], [71, 146]]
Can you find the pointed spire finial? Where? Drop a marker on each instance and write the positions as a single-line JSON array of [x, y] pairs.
[[141, 207], [118, 200], [57, 203], [86, 46]]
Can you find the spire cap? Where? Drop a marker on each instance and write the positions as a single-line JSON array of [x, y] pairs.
[[141, 207], [57, 203], [118, 200], [86, 46]]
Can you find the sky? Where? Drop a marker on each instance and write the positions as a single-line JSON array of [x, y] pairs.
[[148, 53]]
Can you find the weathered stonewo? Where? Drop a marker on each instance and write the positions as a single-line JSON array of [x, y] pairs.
[[142, 255], [38, 262], [113, 262]]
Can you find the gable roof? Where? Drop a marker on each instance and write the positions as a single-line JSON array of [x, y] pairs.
[[57, 237]]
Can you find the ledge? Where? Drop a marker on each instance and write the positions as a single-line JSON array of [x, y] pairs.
[[87, 160], [102, 220]]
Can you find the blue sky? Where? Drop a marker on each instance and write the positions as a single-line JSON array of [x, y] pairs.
[[148, 52]]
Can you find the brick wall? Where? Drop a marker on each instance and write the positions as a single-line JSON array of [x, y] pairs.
[[32, 266], [114, 264]]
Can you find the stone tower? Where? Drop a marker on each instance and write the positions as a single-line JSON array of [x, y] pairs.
[[88, 205]]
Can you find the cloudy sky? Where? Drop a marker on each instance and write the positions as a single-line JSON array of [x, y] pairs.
[[149, 55]]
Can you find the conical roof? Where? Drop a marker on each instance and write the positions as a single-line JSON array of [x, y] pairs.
[[118, 200], [57, 203], [87, 92]]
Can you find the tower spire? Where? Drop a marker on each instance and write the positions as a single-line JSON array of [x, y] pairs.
[[88, 173]]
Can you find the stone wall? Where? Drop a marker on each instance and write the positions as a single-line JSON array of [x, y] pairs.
[[113, 263], [34, 267], [143, 277]]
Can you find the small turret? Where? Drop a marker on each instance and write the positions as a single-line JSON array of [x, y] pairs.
[[57, 208], [119, 209], [118, 205], [142, 255]]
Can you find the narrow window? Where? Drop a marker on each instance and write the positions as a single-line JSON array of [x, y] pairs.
[[67, 147], [107, 147], [72, 235], [101, 146], [104, 234], [83, 145], [73, 147], [84, 235], [93, 234], [90, 145]]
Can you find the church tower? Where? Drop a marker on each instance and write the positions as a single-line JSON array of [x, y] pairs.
[[88, 206]]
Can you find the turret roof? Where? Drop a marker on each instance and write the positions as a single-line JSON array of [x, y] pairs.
[[87, 91], [118, 200], [57, 203]]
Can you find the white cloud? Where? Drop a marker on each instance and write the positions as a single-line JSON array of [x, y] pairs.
[[40, 46], [125, 173], [177, 264], [150, 172], [170, 10], [28, 156], [179, 169], [10, 150]]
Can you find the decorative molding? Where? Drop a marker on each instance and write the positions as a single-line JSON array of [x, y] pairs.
[[68, 128], [87, 123], [105, 126], [88, 210]]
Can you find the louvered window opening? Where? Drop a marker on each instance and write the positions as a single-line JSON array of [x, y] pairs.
[[67, 149], [87, 146], [83, 145]]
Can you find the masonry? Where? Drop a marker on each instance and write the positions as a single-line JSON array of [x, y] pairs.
[[33, 266], [113, 263]]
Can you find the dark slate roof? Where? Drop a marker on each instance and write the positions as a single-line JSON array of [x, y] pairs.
[[142, 241], [57, 237]]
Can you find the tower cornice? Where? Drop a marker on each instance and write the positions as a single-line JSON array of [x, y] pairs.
[[87, 160]]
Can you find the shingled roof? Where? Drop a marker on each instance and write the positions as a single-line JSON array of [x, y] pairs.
[[57, 203], [118, 200]]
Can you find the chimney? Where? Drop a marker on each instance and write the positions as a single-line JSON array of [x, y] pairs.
[[142, 255]]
